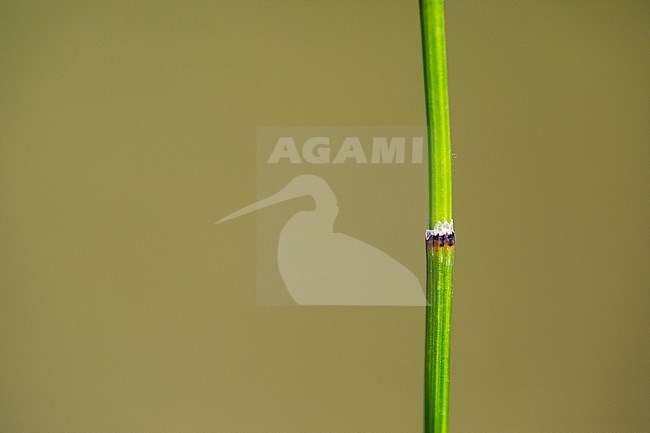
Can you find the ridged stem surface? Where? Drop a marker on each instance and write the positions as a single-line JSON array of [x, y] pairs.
[[432, 17], [440, 279], [439, 250]]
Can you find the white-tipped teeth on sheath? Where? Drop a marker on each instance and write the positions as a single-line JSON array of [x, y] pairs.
[[441, 228]]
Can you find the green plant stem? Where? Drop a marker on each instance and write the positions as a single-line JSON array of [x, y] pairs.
[[440, 270], [432, 17], [440, 254]]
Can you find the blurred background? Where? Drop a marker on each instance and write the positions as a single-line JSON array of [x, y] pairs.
[[128, 127]]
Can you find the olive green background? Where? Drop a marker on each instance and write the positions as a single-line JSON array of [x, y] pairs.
[[128, 128]]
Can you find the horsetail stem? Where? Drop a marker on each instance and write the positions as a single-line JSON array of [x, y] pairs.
[[440, 238]]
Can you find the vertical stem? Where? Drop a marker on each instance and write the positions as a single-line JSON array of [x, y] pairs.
[[440, 269], [432, 16], [440, 238]]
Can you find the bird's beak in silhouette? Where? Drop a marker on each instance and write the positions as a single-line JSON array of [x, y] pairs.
[[282, 195]]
